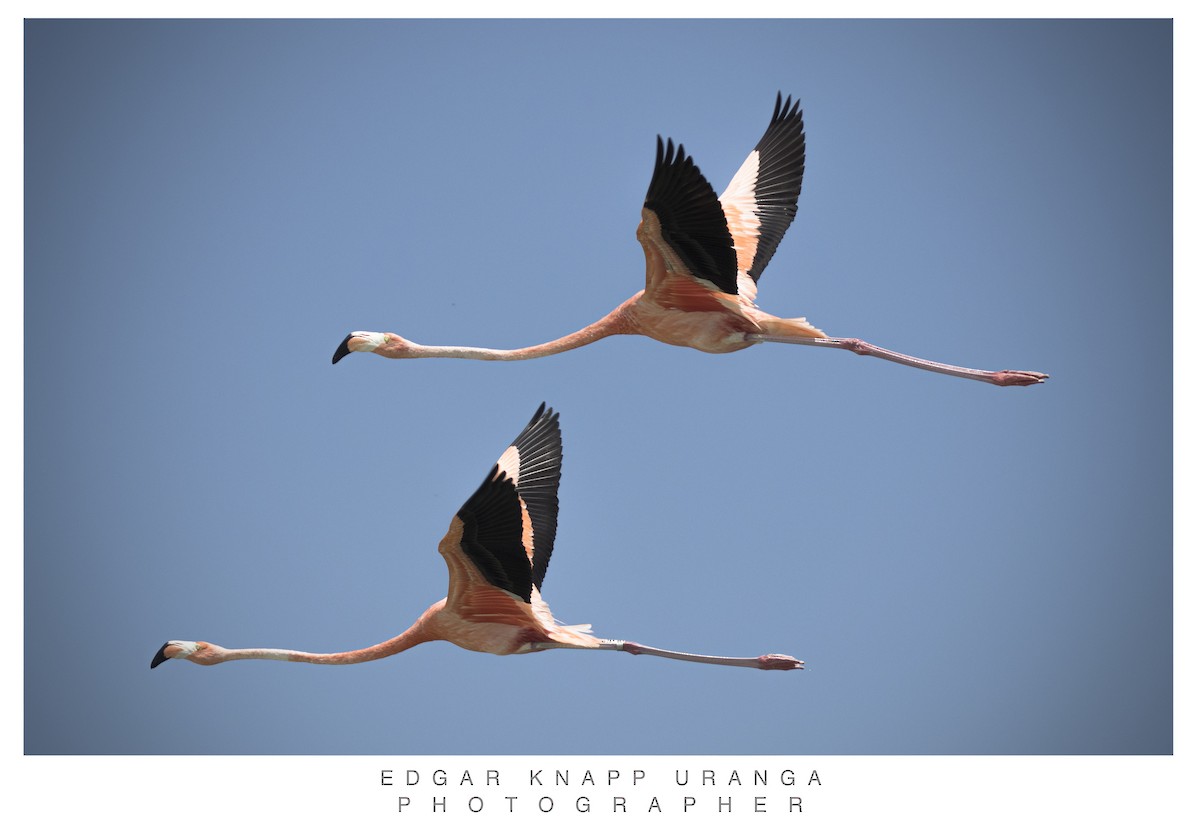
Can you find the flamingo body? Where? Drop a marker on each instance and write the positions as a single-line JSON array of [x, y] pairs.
[[704, 257], [497, 550]]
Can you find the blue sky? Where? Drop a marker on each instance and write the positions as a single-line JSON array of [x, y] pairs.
[[211, 206]]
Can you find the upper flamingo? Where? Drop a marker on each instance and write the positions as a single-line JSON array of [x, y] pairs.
[[704, 256], [497, 551]]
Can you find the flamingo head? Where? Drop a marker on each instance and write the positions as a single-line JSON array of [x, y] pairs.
[[197, 651], [364, 341]]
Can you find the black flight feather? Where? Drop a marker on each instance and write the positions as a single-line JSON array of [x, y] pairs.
[[540, 449], [780, 174], [692, 219], [491, 538], [492, 525]]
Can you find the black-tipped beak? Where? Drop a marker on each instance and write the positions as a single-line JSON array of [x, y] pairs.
[[160, 656], [343, 349]]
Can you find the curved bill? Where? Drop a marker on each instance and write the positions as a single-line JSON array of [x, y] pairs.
[[160, 656], [343, 349]]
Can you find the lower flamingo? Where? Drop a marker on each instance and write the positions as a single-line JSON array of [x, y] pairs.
[[497, 551]]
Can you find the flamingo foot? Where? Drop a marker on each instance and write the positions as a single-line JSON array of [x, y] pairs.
[[779, 662], [1018, 377]]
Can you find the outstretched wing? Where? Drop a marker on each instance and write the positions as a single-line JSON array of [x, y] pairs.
[[491, 536], [504, 534], [534, 463], [683, 230], [760, 201]]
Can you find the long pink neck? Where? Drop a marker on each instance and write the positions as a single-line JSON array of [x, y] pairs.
[[419, 632], [615, 323]]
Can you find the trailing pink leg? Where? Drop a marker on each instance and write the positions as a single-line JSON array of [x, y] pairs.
[[994, 377]]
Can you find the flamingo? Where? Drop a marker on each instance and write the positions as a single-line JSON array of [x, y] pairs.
[[704, 256], [497, 551]]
